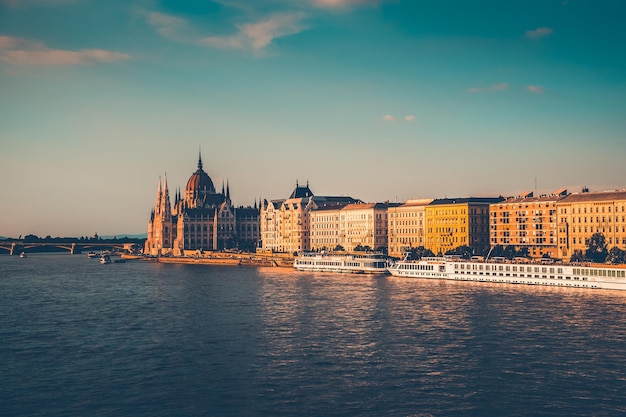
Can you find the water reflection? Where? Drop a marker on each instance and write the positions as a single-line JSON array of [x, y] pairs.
[[150, 339]]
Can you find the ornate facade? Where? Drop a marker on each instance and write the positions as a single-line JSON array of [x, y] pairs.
[[201, 219], [285, 224]]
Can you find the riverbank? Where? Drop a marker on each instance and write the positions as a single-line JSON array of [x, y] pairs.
[[220, 258]]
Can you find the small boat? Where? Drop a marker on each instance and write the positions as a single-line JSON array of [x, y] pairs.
[[23, 255], [91, 254], [105, 259]]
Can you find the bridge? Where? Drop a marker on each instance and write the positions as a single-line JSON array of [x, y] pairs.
[[15, 247]]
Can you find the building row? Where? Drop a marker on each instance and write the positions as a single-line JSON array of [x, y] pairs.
[[555, 225]]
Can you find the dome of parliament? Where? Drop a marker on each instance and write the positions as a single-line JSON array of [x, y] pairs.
[[199, 182]]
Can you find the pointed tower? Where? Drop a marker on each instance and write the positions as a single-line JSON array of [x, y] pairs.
[[165, 205], [157, 203], [159, 239]]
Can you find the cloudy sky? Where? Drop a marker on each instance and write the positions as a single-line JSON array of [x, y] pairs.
[[380, 100]]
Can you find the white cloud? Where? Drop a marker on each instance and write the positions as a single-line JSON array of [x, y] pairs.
[[535, 89], [257, 30], [539, 32], [168, 26], [29, 3], [391, 118], [489, 89], [254, 36], [17, 51], [344, 3], [260, 34]]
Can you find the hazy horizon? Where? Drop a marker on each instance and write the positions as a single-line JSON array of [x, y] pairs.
[[380, 100]]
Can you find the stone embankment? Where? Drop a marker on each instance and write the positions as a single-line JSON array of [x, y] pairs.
[[221, 258]]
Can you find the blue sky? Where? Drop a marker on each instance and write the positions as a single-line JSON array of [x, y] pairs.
[[380, 100]]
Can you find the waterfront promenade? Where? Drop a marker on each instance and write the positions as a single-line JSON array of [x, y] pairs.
[[223, 258]]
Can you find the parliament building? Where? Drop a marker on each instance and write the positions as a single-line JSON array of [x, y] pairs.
[[201, 219]]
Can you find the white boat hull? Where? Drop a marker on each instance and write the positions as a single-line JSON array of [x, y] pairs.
[[578, 276], [351, 264]]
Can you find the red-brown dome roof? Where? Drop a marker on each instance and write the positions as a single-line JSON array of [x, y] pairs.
[[199, 182]]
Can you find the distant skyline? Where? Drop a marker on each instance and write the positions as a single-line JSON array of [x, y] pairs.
[[380, 100]]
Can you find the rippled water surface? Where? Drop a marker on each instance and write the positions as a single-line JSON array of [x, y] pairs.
[[145, 339]]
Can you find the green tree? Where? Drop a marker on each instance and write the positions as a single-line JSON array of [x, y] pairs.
[[616, 256], [497, 251], [420, 252], [522, 253], [464, 251], [577, 256], [509, 252], [596, 248]]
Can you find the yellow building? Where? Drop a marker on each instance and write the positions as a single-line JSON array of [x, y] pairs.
[[454, 222], [583, 214], [407, 226], [527, 222]]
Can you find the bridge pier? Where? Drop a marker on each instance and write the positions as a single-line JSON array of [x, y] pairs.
[[74, 250], [15, 248]]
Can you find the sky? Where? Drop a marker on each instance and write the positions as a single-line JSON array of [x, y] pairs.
[[379, 100]]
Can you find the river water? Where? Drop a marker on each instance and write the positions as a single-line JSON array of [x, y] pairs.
[[145, 339]]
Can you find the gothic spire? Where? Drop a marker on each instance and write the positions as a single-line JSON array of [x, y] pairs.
[[199, 158], [166, 207], [157, 203]]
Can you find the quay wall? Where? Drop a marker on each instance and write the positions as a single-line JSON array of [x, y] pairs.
[[222, 258]]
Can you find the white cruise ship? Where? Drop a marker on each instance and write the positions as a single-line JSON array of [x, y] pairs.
[[514, 272], [369, 263]]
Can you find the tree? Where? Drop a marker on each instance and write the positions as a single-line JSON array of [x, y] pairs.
[[420, 252], [509, 252], [616, 256], [464, 251], [523, 253], [596, 248], [577, 256], [497, 251]]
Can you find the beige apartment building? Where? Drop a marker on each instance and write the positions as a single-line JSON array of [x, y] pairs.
[[285, 224], [580, 215], [454, 222], [363, 225], [406, 226], [324, 223], [527, 222]]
